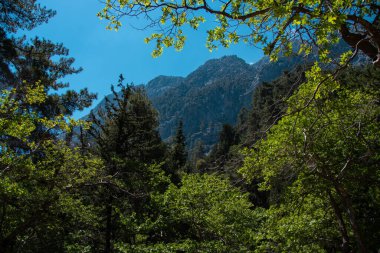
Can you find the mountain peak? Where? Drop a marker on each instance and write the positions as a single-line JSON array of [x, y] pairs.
[[217, 68], [227, 59], [161, 84]]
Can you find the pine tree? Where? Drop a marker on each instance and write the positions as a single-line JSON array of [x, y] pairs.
[[42, 167], [179, 153], [26, 64], [128, 141], [227, 138], [22, 14]]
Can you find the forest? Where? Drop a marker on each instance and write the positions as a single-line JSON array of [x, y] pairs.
[[298, 172]]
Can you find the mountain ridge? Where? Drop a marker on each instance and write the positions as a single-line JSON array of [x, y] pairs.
[[210, 96]]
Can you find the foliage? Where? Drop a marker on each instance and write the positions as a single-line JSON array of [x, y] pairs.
[[227, 138], [34, 62], [269, 104], [298, 226], [327, 150], [22, 14], [275, 25], [128, 142], [197, 156], [42, 179], [24, 63], [317, 166], [128, 126], [204, 214], [39, 180]]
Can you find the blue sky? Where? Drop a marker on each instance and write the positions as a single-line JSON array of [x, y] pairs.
[[105, 54]]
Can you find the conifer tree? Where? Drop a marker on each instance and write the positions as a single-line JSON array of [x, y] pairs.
[[227, 138], [46, 174], [179, 153], [128, 141], [25, 64]]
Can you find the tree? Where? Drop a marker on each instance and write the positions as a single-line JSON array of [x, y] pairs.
[[22, 14], [268, 105], [128, 142], [127, 126], [205, 214], [179, 154], [323, 157], [227, 138], [40, 180], [43, 204], [274, 24], [198, 151], [24, 63], [15, 15]]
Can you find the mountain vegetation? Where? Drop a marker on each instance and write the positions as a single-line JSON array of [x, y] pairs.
[[210, 96], [215, 93], [298, 172]]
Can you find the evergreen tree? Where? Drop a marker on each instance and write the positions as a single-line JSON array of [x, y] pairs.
[[128, 142], [22, 14], [25, 65], [268, 105], [179, 153], [227, 138], [128, 126], [219, 155]]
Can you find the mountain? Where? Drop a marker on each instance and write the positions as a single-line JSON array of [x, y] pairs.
[[161, 84], [210, 96]]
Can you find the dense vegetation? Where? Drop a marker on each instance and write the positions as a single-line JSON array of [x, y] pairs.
[[298, 173]]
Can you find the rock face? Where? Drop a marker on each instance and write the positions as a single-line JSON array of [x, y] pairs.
[[210, 96], [161, 84], [206, 99]]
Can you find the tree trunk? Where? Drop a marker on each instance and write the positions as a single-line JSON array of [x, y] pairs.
[[352, 217], [342, 227]]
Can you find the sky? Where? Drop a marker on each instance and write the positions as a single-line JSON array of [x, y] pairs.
[[104, 54]]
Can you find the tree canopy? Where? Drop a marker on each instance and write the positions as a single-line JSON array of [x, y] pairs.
[[274, 24], [328, 152], [22, 14]]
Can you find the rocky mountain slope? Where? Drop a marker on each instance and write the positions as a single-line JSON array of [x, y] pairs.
[[210, 96]]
